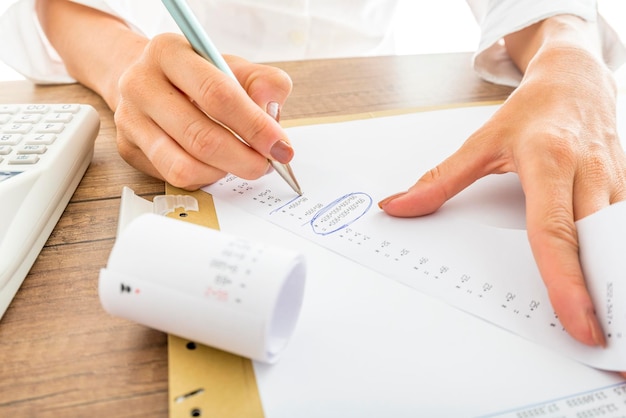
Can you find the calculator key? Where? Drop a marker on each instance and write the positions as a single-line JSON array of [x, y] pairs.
[[36, 108], [5, 150], [32, 149], [27, 118], [9, 109], [63, 108], [50, 128], [24, 159], [62, 117], [45, 139], [10, 139], [17, 128], [4, 118]]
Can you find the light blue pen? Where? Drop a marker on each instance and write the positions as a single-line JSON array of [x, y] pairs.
[[202, 44]]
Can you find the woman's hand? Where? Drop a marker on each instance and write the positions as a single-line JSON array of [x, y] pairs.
[[176, 111], [558, 132]]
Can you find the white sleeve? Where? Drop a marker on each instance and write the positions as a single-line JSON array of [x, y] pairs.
[[498, 18], [26, 49]]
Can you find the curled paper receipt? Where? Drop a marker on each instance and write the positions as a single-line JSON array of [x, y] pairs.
[[208, 286]]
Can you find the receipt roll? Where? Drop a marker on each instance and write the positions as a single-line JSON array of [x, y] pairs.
[[204, 285]]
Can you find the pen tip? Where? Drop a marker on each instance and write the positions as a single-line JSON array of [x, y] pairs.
[[285, 172]]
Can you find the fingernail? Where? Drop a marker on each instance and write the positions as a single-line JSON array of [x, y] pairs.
[[273, 109], [596, 330], [281, 151], [386, 200]]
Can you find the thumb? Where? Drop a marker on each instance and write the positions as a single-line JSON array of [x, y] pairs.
[[439, 184]]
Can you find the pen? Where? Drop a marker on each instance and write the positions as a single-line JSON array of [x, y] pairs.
[[202, 44]]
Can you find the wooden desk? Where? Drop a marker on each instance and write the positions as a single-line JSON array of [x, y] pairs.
[[60, 353]]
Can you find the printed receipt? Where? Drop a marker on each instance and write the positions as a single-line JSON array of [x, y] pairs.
[[602, 240], [205, 285]]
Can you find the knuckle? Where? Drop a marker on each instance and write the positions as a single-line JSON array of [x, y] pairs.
[[283, 81], [179, 174], [121, 114], [161, 44], [256, 170], [266, 78], [601, 164], [596, 169], [557, 225], [432, 180], [125, 149], [130, 82], [126, 119], [432, 175], [133, 82], [217, 88], [201, 139], [278, 78], [559, 151], [257, 124]]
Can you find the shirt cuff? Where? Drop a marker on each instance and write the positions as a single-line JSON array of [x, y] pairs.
[[491, 60]]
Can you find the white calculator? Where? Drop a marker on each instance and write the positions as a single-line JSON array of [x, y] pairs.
[[45, 150]]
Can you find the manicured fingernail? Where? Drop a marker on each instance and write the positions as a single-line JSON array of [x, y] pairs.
[[596, 330], [273, 109], [281, 151], [386, 200]]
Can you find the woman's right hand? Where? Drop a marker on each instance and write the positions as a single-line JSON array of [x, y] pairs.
[[171, 106], [175, 112]]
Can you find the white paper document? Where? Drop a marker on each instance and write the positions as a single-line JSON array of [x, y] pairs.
[[377, 336]]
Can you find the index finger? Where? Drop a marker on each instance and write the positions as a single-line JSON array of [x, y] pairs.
[[223, 99]]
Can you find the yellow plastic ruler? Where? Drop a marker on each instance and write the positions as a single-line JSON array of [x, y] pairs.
[[204, 381]]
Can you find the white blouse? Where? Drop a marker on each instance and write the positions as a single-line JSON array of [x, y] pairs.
[[279, 30]]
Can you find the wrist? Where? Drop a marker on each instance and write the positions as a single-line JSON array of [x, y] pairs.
[[107, 85], [556, 32]]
